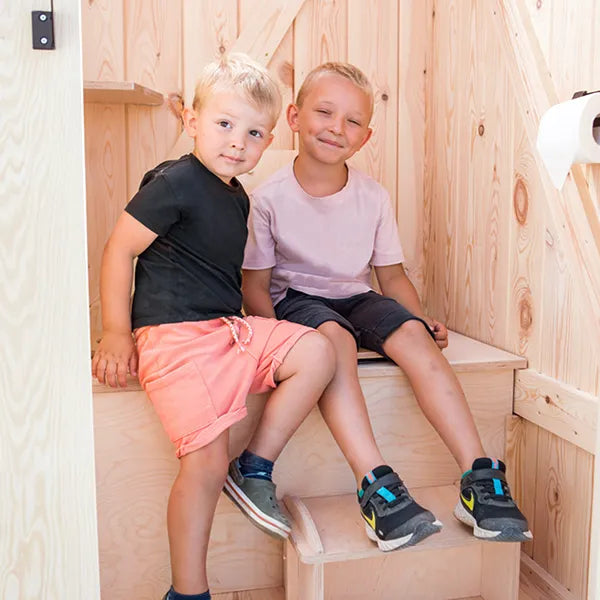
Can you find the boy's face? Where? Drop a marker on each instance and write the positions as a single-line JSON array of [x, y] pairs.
[[333, 121], [230, 134]]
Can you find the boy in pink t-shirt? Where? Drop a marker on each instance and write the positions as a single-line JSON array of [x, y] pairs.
[[317, 228]]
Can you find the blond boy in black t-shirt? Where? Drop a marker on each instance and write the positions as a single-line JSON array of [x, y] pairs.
[[198, 357]]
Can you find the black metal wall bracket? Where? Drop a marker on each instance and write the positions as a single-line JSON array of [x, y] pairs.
[[42, 29]]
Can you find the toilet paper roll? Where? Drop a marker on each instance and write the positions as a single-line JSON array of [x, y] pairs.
[[567, 136]]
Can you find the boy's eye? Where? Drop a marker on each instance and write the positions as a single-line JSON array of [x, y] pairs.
[[323, 111], [224, 124], [255, 133], [354, 122]]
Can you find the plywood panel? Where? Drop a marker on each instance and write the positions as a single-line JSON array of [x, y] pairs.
[[48, 539]]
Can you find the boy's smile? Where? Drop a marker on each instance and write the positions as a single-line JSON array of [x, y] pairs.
[[230, 134], [333, 121]]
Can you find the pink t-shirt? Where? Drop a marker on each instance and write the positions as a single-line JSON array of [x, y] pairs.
[[321, 246]]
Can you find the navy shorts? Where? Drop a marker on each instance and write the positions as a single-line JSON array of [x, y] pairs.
[[370, 317]]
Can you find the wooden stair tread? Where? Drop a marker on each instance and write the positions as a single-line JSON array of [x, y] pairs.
[[463, 353], [337, 529]]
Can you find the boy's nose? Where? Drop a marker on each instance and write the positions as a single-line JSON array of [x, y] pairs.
[[337, 126], [237, 144]]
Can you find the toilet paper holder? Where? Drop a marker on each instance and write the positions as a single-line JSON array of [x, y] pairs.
[[580, 93]]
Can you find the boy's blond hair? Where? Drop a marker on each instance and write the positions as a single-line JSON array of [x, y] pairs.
[[239, 73], [346, 70]]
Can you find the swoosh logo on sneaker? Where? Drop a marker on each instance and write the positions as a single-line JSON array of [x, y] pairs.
[[470, 502], [371, 520]]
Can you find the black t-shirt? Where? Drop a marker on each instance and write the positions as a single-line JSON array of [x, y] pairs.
[[192, 270]]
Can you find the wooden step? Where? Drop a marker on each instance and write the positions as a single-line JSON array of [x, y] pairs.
[[329, 556], [135, 467]]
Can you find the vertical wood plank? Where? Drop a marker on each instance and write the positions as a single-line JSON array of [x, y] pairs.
[[102, 25], [378, 59], [415, 21], [281, 67], [106, 192], [521, 468], [209, 30], [563, 511], [527, 241], [153, 58], [48, 540]]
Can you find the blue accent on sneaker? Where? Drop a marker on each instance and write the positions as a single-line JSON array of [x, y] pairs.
[[386, 494], [498, 488], [360, 493], [466, 473], [494, 463], [253, 466]]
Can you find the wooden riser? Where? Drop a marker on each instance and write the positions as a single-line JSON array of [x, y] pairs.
[[329, 556]]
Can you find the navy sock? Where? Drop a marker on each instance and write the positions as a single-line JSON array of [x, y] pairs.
[[254, 466], [173, 595]]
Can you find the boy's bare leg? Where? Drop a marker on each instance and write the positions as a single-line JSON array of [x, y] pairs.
[[344, 408], [302, 376], [191, 510], [437, 390]]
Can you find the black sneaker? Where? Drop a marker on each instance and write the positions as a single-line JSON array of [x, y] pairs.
[[486, 505], [393, 519]]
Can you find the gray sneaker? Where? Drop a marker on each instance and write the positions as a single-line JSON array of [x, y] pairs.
[[256, 499]]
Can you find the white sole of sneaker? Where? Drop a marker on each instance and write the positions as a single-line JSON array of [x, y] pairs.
[[487, 534], [411, 539], [254, 513]]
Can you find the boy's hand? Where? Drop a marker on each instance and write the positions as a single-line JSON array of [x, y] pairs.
[[439, 331], [115, 357]]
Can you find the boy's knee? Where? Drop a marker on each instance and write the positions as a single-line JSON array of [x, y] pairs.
[[336, 333], [412, 329], [321, 353]]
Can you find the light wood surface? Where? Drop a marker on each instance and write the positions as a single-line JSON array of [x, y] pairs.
[[449, 564], [563, 410], [48, 527], [120, 92]]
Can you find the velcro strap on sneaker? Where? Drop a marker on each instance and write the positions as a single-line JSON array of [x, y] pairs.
[[486, 474], [389, 479]]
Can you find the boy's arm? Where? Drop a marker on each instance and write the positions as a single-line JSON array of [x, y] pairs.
[[395, 284], [116, 354], [255, 290]]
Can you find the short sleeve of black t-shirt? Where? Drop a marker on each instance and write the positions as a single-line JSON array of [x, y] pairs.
[[192, 270]]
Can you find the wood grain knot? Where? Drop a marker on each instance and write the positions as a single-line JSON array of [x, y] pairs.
[[385, 97], [520, 201], [222, 49], [481, 129], [548, 399], [538, 4], [525, 312], [286, 73]]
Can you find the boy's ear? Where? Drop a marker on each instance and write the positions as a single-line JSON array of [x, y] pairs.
[[292, 117], [190, 121], [367, 137]]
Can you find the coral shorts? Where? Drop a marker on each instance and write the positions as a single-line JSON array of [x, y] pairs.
[[198, 374]]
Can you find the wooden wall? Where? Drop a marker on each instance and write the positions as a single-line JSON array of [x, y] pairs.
[[511, 261], [48, 526], [496, 252], [164, 45]]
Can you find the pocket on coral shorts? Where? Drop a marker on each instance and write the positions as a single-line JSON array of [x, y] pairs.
[[181, 400]]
